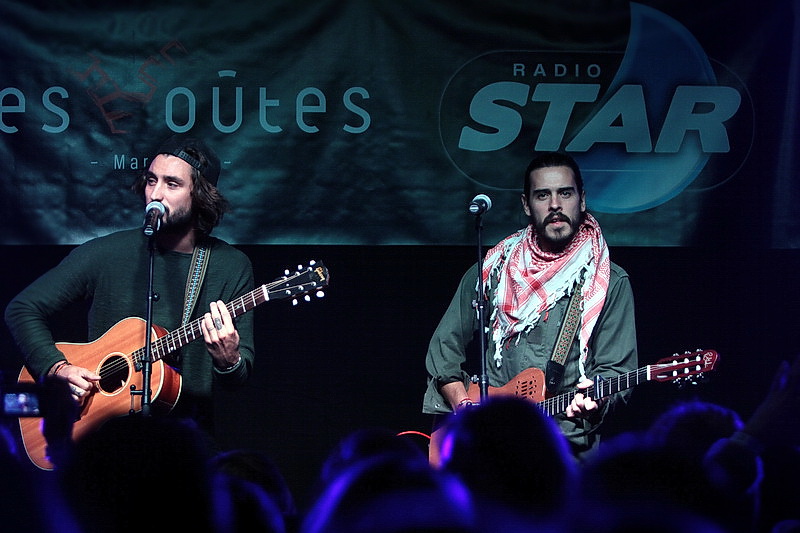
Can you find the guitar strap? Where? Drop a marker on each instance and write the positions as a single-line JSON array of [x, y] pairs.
[[197, 272], [572, 318]]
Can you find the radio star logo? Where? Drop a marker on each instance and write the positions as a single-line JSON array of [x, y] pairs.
[[642, 124]]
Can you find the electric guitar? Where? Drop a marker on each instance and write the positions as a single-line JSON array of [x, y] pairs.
[[530, 384], [117, 356]]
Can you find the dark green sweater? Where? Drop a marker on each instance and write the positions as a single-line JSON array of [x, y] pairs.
[[111, 273]]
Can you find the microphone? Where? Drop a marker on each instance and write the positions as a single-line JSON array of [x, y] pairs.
[[480, 204], [152, 217]]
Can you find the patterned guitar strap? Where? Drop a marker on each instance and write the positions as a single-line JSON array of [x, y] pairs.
[[197, 272], [555, 366]]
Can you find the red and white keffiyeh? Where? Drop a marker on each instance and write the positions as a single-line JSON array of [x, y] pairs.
[[531, 281]]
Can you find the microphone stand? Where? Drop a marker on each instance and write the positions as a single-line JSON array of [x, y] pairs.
[[480, 305], [146, 365]]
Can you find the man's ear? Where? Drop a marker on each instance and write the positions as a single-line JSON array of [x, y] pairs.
[[525, 206]]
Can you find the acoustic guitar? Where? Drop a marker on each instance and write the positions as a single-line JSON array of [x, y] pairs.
[[530, 384], [117, 356]]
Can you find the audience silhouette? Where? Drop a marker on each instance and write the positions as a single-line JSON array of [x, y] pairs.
[[139, 472], [29, 502], [260, 489], [363, 444], [389, 492], [504, 466], [512, 457]]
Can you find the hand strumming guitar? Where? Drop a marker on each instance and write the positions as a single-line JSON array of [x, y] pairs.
[[82, 381]]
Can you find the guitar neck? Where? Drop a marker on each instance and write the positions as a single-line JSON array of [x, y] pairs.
[[680, 368], [313, 277], [187, 333], [601, 388], [193, 330]]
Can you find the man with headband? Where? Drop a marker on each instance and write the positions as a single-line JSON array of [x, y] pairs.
[[194, 276], [530, 279]]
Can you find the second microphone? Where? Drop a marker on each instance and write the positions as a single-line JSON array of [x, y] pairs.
[[480, 204]]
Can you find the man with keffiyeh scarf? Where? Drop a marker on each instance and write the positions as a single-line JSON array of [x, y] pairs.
[[528, 279]]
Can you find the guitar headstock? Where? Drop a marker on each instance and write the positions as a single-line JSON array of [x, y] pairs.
[[686, 368], [312, 278]]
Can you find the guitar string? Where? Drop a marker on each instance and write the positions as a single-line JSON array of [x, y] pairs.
[[157, 345], [557, 404], [195, 327]]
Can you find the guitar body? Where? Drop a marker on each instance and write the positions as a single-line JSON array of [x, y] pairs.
[[528, 384], [110, 357]]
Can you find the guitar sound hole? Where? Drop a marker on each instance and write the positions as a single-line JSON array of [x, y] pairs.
[[114, 374], [527, 384]]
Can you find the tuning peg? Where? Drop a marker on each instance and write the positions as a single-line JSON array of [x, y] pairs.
[[312, 262], [320, 294], [294, 301]]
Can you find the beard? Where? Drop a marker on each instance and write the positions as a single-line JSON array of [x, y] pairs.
[[552, 239], [177, 222]]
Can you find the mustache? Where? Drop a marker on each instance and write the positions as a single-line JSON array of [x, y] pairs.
[[561, 217]]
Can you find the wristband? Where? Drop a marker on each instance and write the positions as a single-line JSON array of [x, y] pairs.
[[231, 367], [58, 367]]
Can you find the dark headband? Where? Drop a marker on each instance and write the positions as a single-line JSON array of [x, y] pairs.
[[178, 145]]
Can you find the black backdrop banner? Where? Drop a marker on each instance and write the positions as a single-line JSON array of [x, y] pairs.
[[376, 122]]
